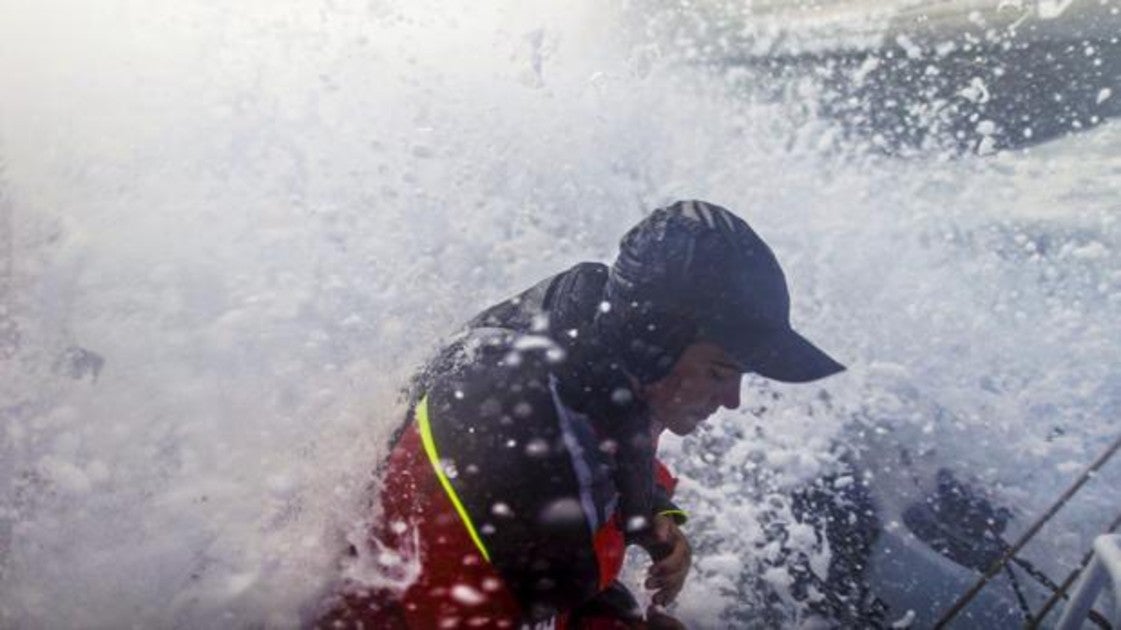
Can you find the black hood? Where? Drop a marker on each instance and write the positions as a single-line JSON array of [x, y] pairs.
[[595, 381], [592, 378]]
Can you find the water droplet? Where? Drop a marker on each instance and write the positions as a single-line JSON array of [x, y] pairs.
[[537, 448]]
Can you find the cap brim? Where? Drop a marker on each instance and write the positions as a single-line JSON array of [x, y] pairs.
[[786, 356]]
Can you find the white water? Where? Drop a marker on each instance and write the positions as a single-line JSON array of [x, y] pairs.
[[262, 218]]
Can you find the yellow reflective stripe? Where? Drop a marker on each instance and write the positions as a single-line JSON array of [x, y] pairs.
[[674, 514], [434, 457]]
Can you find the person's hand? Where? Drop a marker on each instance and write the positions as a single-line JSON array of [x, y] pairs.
[[672, 560]]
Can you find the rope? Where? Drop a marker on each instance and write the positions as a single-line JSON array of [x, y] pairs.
[[1027, 536], [1061, 592], [1039, 576], [1025, 609]]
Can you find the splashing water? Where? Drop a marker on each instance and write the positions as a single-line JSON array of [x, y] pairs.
[[229, 234]]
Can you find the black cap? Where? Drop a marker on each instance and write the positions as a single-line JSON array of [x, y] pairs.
[[693, 271]]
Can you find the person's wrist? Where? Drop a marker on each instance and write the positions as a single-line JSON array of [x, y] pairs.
[[654, 545]]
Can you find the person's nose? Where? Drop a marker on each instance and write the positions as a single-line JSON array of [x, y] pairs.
[[730, 394]]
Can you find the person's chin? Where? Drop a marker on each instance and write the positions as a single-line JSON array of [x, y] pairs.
[[686, 426]]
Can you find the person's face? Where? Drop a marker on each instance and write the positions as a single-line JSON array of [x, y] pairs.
[[704, 379]]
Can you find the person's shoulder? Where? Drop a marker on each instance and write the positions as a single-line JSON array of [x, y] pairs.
[[493, 369], [511, 349]]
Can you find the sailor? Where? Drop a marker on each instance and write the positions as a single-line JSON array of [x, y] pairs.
[[526, 464]]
